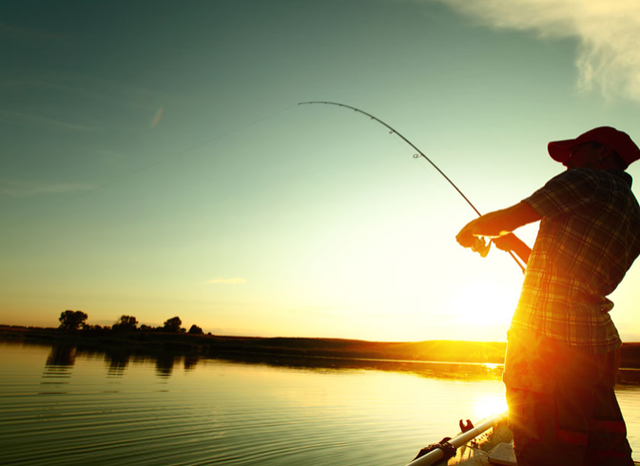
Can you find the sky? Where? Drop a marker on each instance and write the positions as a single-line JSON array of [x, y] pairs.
[[154, 160]]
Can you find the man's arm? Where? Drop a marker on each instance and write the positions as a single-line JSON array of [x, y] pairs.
[[498, 224]]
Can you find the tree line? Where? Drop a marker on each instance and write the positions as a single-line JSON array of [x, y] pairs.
[[72, 321]]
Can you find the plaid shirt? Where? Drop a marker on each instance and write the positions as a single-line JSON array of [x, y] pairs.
[[589, 236]]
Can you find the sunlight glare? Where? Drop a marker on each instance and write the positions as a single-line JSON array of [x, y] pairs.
[[483, 303], [489, 406]]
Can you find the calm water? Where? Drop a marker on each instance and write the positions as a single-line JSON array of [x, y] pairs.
[[60, 406]]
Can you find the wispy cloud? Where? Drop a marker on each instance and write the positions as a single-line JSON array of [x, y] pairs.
[[227, 281], [608, 56], [25, 117], [13, 188]]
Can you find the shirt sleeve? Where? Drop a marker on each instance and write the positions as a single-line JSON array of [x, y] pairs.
[[565, 193]]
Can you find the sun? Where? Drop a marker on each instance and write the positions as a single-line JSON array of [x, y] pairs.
[[482, 303], [488, 406]]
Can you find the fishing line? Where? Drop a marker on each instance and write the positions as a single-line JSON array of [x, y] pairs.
[[144, 168], [419, 154]]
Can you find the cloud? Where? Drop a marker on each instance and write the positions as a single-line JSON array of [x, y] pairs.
[[227, 281], [608, 58], [24, 117], [24, 188]]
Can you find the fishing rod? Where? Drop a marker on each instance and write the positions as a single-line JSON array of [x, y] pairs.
[[481, 247]]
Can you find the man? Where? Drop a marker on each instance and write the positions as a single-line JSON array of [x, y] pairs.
[[563, 349]]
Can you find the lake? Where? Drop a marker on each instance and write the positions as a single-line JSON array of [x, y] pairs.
[[63, 406]]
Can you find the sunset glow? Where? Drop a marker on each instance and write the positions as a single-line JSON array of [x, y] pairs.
[[167, 169]]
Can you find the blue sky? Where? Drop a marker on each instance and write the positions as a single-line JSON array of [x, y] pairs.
[[155, 161]]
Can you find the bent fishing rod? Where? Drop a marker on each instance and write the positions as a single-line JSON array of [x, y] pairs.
[[482, 248]]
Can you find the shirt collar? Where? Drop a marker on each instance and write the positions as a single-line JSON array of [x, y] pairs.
[[622, 174]]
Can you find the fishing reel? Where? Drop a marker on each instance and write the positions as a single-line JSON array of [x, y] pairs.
[[481, 246]]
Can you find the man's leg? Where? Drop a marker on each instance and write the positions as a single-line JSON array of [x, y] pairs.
[[535, 368], [608, 444], [562, 407], [539, 438]]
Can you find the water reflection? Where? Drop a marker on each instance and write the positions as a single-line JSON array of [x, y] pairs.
[[164, 365], [57, 368], [61, 357], [117, 362], [441, 370], [190, 362]]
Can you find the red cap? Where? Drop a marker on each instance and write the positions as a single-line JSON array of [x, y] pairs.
[[610, 137]]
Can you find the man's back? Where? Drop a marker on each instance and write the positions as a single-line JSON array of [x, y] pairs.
[[589, 237]]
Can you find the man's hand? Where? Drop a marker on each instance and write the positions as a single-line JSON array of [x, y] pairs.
[[467, 237], [511, 242], [506, 242], [496, 226], [470, 238]]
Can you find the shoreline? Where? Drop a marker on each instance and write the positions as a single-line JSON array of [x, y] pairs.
[[212, 346]]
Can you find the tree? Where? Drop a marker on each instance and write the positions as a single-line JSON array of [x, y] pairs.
[[125, 324], [173, 325], [195, 330], [72, 320]]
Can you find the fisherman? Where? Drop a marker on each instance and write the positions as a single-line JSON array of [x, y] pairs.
[[563, 348]]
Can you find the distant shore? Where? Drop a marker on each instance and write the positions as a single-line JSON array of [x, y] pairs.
[[212, 345], [154, 342]]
